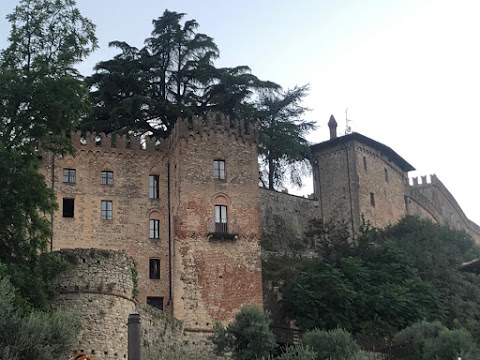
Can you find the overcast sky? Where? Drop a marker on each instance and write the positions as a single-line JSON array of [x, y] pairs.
[[407, 70]]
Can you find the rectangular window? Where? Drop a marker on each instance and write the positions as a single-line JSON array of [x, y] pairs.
[[365, 163], [219, 169], [153, 187], [372, 199], [221, 219], [107, 210], [155, 301], [68, 208], [107, 177], [386, 175], [69, 176], [154, 229], [154, 268]]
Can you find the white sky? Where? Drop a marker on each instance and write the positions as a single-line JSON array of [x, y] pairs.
[[407, 70]]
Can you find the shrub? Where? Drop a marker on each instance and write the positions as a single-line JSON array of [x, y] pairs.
[[297, 352], [247, 337], [452, 344], [332, 345]]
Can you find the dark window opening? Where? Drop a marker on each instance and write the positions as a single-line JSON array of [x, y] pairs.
[[107, 210], [219, 169], [68, 208], [107, 177], [221, 225], [69, 176], [386, 175], [153, 186], [365, 163], [372, 199], [154, 229], [155, 301], [154, 269]]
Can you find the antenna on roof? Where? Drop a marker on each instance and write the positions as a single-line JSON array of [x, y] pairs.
[[348, 128]]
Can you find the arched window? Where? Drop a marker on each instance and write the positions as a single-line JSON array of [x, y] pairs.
[[154, 226]]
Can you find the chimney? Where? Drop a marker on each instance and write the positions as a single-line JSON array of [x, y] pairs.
[[332, 125]]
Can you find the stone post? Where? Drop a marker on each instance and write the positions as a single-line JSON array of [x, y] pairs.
[[134, 336]]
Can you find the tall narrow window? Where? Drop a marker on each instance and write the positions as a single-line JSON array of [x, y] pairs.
[[107, 210], [219, 169], [154, 228], [107, 177], [365, 163], [153, 187], [69, 176], [68, 208], [154, 269], [221, 219], [386, 175], [372, 199]]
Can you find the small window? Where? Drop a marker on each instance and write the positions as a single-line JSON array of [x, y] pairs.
[[107, 177], [107, 210], [365, 163], [386, 175], [372, 199], [221, 219], [154, 229], [155, 301], [153, 187], [68, 208], [219, 169], [154, 268], [69, 176]]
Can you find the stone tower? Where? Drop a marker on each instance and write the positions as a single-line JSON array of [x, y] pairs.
[[187, 209], [357, 177], [216, 216]]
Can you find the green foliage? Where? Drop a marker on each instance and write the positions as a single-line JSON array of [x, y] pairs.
[[247, 337], [417, 334], [39, 335], [452, 344], [383, 281], [283, 148], [335, 344], [297, 352], [173, 75]]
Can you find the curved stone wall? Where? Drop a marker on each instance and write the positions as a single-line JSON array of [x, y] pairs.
[[98, 288]]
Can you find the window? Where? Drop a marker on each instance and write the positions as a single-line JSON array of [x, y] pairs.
[[69, 176], [68, 208], [386, 175], [155, 301], [107, 177], [154, 229], [219, 169], [153, 181], [372, 199], [365, 163], [107, 210], [154, 268], [221, 219]]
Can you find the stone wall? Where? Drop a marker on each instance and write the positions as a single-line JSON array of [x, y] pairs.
[[285, 218], [215, 276], [430, 197], [97, 288]]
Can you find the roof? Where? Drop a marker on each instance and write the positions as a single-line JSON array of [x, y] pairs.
[[384, 149]]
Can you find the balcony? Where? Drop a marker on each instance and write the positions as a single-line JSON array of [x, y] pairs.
[[222, 231]]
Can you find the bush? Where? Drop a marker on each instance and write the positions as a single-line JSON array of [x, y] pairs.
[[417, 334], [247, 337], [332, 345], [452, 344], [297, 352]]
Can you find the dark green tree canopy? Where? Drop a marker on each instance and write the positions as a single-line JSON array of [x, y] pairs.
[[283, 148], [173, 75]]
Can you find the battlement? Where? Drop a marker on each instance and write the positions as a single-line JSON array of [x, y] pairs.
[[217, 123], [90, 140], [424, 180]]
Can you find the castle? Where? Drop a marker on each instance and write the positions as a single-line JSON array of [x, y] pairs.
[[190, 211]]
